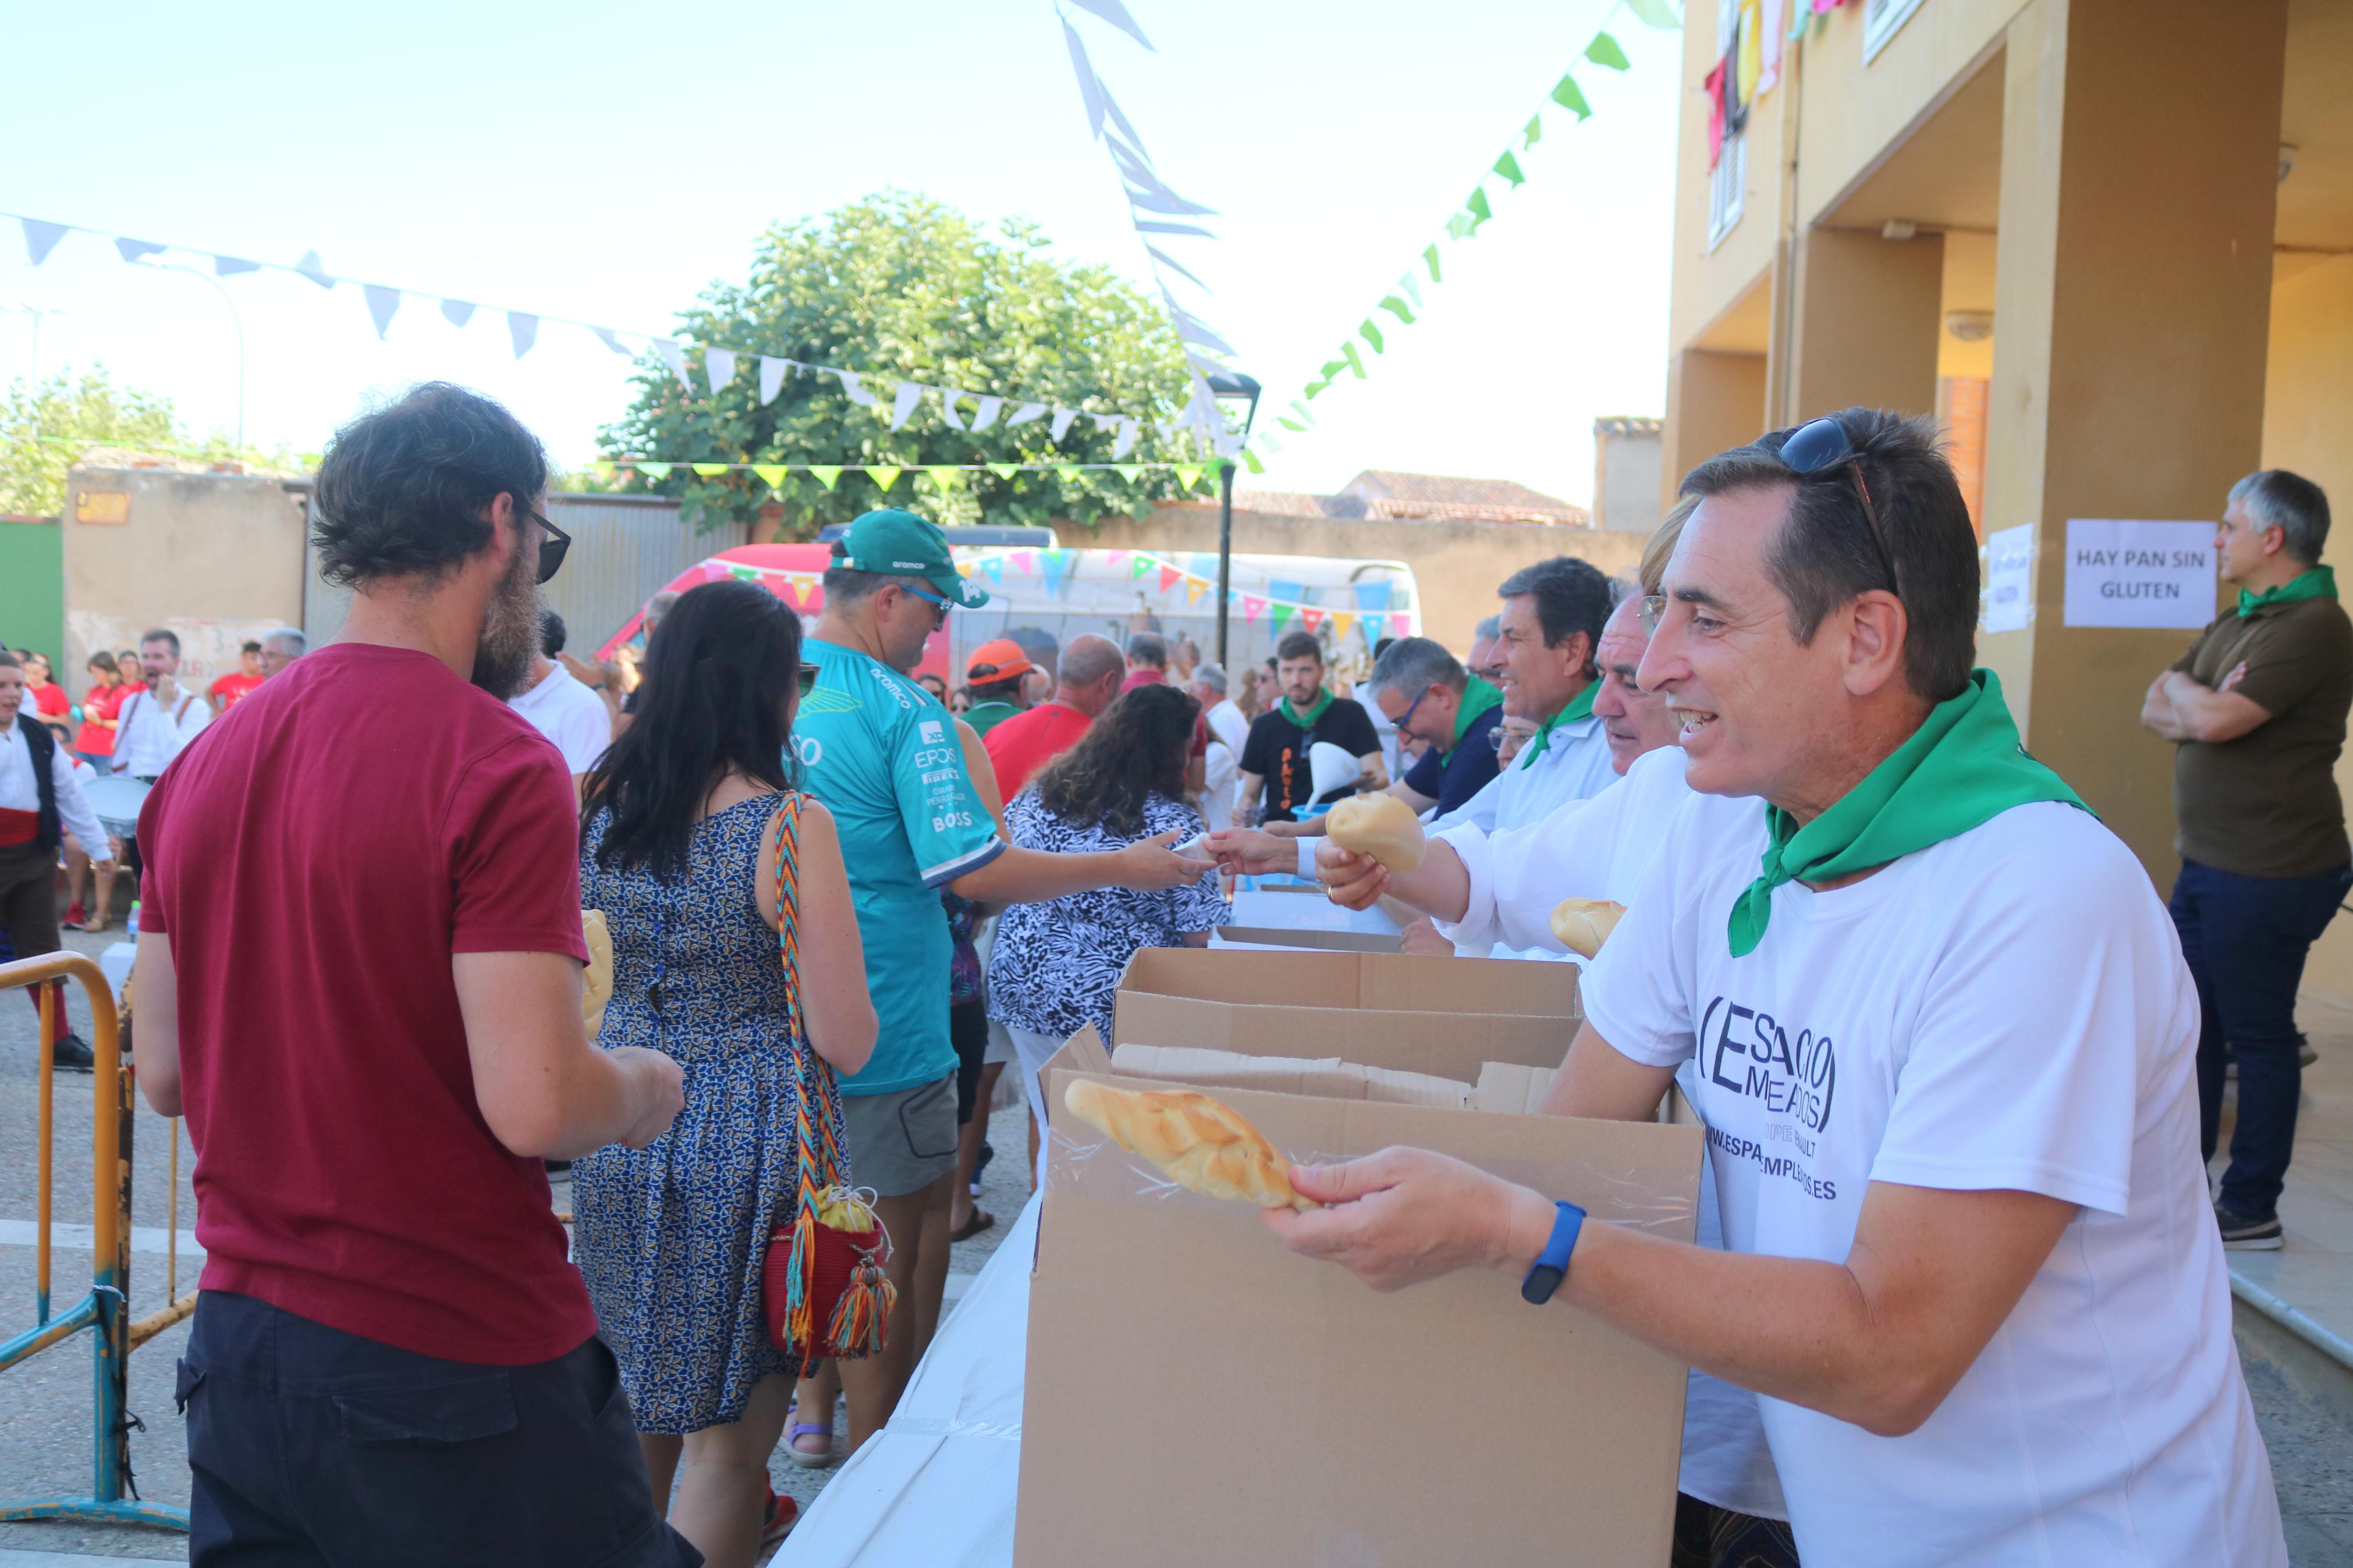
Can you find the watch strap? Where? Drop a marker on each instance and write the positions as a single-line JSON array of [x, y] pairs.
[[1552, 1263]]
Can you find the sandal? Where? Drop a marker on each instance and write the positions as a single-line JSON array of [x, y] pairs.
[[777, 1517], [808, 1460], [981, 1220]]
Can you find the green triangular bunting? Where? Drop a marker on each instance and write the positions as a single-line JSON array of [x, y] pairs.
[[1250, 461], [1653, 13], [1131, 472], [1188, 475], [1397, 306], [654, 470], [1535, 132], [771, 474], [1371, 334], [708, 470], [1571, 97], [1604, 51], [1478, 208], [826, 473], [943, 477], [1354, 362], [1429, 255], [883, 475], [1005, 470], [1509, 167]]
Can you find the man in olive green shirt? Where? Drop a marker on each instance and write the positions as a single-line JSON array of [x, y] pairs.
[[2258, 706]]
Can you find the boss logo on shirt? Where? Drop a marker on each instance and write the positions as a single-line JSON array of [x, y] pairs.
[[1748, 1052]]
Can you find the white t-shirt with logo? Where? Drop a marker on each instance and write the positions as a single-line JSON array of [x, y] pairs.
[[570, 714], [1602, 848], [2008, 1009]]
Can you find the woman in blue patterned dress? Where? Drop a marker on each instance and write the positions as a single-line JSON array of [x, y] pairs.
[[1057, 965], [685, 826]]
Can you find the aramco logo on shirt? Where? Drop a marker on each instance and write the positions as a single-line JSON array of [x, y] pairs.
[[1749, 1052]]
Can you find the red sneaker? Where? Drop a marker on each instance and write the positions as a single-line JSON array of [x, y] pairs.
[[782, 1514], [74, 916]]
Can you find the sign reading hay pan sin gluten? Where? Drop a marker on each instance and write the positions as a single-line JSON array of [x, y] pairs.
[[2141, 574]]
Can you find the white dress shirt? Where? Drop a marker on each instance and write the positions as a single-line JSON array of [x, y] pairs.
[[20, 791], [151, 734], [570, 714]]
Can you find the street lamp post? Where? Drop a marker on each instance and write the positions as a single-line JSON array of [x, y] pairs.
[[1234, 387], [234, 315]]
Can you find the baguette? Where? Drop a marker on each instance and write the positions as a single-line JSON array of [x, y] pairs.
[[1380, 826], [1200, 1143], [1584, 924], [597, 985]]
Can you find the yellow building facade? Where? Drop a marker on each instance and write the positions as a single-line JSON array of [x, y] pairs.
[[2107, 243]]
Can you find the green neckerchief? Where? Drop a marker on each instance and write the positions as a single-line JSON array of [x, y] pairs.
[[1477, 698], [1962, 769], [1307, 721], [2319, 583], [1579, 707]]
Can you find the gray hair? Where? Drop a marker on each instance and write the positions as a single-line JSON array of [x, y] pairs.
[[1211, 674], [2291, 503], [1413, 664], [1490, 628], [294, 641]]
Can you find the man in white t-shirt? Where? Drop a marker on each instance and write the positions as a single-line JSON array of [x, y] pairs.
[[156, 722], [1229, 728], [1943, 1041], [560, 707]]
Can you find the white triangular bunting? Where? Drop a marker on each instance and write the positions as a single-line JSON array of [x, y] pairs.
[[772, 377]]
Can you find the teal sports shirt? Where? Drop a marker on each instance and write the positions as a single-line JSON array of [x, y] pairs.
[[882, 756]]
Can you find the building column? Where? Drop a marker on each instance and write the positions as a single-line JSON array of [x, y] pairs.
[[1864, 323], [2132, 304], [1715, 400]]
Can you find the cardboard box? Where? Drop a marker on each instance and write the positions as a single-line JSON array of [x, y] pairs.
[[1327, 1077], [1300, 939], [1380, 1010], [1190, 1381]]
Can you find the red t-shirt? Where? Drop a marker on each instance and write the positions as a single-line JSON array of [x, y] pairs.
[[1027, 741], [50, 699], [316, 865], [226, 691], [100, 702]]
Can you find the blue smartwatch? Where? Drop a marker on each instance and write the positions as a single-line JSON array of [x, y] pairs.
[[1552, 1263]]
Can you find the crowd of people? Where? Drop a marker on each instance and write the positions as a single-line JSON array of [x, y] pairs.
[[1957, 1292]]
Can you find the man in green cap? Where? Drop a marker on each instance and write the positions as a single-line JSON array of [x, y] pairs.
[[2258, 707], [884, 758], [1942, 1037]]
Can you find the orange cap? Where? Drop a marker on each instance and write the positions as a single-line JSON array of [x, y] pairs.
[[1000, 658]]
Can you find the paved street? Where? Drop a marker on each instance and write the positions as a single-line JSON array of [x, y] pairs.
[[45, 1431]]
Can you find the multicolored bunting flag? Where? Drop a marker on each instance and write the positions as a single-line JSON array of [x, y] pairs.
[[995, 567], [1343, 623], [1141, 566], [1169, 576], [1309, 617], [1282, 613], [1024, 561], [744, 573], [1252, 606], [1194, 588], [1118, 558]]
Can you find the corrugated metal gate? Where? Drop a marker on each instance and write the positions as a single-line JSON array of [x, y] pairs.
[[624, 548]]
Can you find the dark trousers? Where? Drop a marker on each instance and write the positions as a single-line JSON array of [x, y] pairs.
[[311, 1446], [28, 912], [2245, 939], [1707, 1536]]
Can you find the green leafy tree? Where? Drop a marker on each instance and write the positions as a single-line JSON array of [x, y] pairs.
[[899, 286], [46, 426]]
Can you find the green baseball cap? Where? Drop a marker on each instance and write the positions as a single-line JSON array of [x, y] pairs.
[[901, 544]]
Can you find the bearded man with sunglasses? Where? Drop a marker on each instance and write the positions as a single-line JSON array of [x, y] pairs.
[[359, 977], [1943, 1040]]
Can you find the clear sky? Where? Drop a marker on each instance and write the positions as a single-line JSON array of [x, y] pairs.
[[605, 163]]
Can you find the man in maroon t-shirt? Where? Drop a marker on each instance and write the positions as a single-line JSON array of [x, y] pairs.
[[1087, 678], [374, 1031]]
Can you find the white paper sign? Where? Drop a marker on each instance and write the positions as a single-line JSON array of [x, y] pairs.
[[2009, 578], [2145, 574]]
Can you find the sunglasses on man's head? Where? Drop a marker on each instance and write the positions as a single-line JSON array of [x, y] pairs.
[[1823, 445], [551, 548]]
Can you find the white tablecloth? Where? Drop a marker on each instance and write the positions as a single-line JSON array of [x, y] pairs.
[[936, 1486]]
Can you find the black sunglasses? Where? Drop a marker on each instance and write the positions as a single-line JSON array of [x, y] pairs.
[[1821, 445], [806, 679], [551, 548]]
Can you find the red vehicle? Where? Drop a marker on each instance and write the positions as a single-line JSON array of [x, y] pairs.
[[793, 574]]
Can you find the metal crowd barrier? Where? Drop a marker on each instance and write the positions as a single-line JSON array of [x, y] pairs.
[[106, 1310]]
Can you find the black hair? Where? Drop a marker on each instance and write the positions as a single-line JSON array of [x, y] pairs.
[[403, 490], [1135, 749], [714, 700], [161, 634], [1571, 596], [551, 632], [249, 648], [995, 690], [1298, 645], [1824, 555], [1148, 649]]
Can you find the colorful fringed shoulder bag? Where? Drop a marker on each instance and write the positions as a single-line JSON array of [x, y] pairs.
[[824, 1269]]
